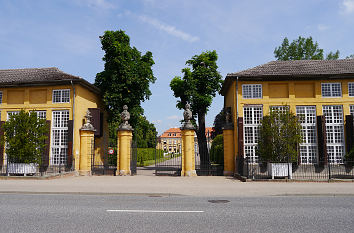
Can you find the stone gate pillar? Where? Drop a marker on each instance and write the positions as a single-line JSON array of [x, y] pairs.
[[229, 154], [125, 135], [86, 146], [188, 155]]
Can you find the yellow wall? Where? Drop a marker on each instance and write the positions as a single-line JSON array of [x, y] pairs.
[[292, 93], [40, 98], [298, 92], [86, 99]]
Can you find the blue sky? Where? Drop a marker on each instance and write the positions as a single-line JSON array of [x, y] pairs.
[[65, 34]]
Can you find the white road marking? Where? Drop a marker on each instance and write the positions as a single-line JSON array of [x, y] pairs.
[[158, 211]]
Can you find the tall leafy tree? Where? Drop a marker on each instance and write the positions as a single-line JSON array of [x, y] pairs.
[[126, 77], [279, 137], [302, 49], [199, 84], [24, 135]]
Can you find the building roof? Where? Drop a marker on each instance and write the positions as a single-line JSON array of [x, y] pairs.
[[172, 133], [40, 77], [290, 70]]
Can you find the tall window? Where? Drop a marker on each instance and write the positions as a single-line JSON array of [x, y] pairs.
[[0, 97], [61, 96], [351, 89], [308, 147], [351, 109], [331, 90], [252, 91], [334, 132], [41, 114], [59, 137], [251, 118], [280, 108]]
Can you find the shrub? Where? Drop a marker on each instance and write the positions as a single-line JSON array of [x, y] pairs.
[[145, 154], [25, 135], [279, 136]]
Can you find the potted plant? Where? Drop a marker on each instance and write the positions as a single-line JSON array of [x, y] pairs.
[[279, 137], [24, 135]]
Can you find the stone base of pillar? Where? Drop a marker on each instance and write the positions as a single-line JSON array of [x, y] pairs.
[[228, 173], [190, 173], [85, 173], [122, 173]]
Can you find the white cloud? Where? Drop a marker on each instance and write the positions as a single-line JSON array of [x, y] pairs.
[[174, 117], [103, 4], [168, 29], [322, 27], [348, 6], [157, 122]]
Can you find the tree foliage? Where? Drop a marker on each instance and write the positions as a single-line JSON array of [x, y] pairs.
[[217, 150], [25, 135], [350, 56], [145, 133], [302, 49], [219, 122], [198, 86], [279, 136], [126, 77]]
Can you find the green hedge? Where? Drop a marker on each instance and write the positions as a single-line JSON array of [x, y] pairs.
[[145, 154]]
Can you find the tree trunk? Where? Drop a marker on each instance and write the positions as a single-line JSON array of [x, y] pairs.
[[202, 142]]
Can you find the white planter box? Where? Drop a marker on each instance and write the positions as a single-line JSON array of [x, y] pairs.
[[22, 168], [280, 169]]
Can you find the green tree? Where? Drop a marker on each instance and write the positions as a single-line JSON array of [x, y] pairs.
[[199, 85], [25, 134], [302, 49], [145, 133], [217, 150], [350, 56], [279, 136], [126, 77], [219, 122]]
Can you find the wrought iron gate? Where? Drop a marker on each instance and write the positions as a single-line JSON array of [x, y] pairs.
[[105, 164], [167, 162]]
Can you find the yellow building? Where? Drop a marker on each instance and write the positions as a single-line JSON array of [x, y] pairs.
[[60, 98], [311, 89]]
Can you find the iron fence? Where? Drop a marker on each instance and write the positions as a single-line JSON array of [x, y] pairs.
[[35, 169], [321, 171]]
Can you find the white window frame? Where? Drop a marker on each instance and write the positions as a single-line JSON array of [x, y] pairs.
[[351, 89], [255, 91], [331, 90], [41, 114], [62, 98], [308, 147], [351, 110], [280, 108], [59, 137], [252, 114], [334, 133]]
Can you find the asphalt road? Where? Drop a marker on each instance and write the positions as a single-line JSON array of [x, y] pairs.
[[141, 213]]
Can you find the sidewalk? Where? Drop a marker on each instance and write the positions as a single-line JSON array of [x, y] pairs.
[[217, 186]]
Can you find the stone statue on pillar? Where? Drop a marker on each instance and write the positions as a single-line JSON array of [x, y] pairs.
[[187, 115], [88, 125], [125, 116]]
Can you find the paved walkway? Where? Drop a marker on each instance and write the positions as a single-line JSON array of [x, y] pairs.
[[196, 186]]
